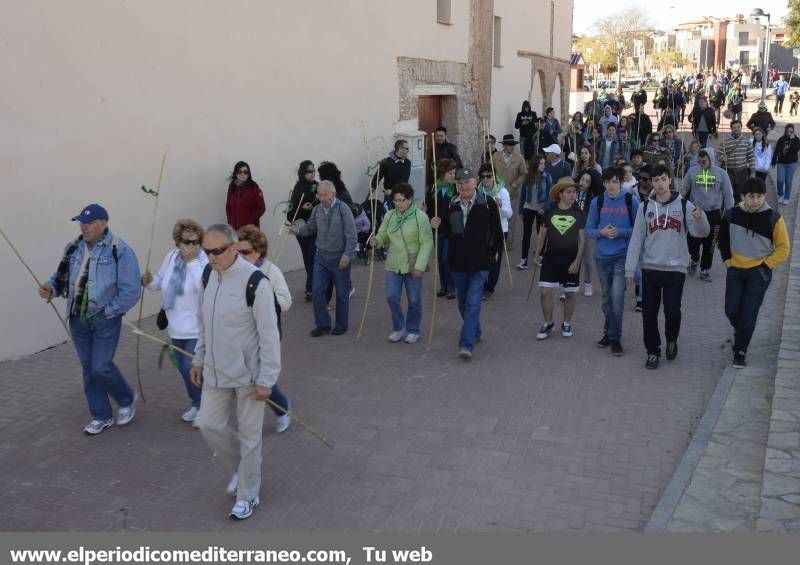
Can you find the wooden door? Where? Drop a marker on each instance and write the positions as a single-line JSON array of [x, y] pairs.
[[429, 110]]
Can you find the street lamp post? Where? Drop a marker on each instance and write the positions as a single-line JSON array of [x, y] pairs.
[[758, 13]]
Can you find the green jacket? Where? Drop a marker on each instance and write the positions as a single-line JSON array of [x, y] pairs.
[[418, 238]]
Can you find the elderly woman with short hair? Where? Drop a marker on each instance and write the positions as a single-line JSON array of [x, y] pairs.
[[253, 246], [407, 231], [180, 281]]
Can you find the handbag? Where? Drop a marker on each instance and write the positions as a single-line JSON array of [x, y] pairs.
[[412, 257], [161, 320]]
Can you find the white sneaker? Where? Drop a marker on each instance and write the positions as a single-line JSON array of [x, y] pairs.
[[394, 337], [230, 490], [566, 329], [282, 422], [96, 426], [412, 338], [126, 414], [587, 289], [244, 509], [190, 415]]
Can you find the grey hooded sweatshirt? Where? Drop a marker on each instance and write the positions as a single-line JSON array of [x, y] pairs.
[[237, 340], [708, 190], [659, 241]]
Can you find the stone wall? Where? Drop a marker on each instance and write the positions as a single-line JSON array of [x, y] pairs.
[[548, 68]]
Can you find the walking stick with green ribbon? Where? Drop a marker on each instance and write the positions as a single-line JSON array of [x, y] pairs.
[[502, 236], [284, 235], [38, 282], [291, 413], [435, 241], [373, 206], [155, 193]]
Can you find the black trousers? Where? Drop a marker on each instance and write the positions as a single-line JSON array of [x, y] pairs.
[[744, 293], [658, 286], [738, 178], [708, 243], [528, 218]]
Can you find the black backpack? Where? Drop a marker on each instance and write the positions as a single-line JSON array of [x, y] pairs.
[[250, 292]]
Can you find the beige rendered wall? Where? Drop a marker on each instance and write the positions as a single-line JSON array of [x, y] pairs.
[[525, 27], [95, 91]]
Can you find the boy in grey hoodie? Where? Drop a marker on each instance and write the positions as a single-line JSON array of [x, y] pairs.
[[709, 188], [659, 246]]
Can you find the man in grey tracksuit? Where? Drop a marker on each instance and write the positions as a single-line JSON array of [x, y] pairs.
[[242, 344], [709, 188], [658, 246]]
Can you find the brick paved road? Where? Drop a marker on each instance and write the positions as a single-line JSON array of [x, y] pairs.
[[528, 436]]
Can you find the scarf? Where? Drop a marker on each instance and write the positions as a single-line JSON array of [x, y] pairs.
[[398, 218], [62, 272], [176, 281], [495, 189], [446, 189]]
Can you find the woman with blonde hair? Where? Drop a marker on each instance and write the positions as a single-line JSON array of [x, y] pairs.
[[252, 247], [180, 281]]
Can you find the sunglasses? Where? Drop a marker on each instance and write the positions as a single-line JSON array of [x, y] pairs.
[[311, 172], [246, 251], [217, 250], [190, 241], [243, 172]]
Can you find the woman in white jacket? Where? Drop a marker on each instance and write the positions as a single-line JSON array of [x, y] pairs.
[[495, 188], [179, 280], [252, 247], [763, 153]]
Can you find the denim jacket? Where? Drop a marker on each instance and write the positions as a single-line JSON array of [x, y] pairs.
[[114, 286]]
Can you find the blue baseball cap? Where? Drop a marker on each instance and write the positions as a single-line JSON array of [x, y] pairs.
[[91, 213]]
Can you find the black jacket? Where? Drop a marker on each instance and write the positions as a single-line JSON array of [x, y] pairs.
[[447, 150], [391, 171], [761, 120], [308, 192], [786, 150], [640, 127], [711, 118], [473, 247], [525, 123]]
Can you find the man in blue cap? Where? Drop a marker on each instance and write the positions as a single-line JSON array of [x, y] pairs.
[[99, 277]]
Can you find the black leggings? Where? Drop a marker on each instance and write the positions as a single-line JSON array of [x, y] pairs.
[[528, 217]]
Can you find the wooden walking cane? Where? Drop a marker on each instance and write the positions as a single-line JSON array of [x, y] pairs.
[[309, 429], [374, 209], [533, 278], [156, 193], [38, 282], [435, 241], [505, 247], [284, 235]]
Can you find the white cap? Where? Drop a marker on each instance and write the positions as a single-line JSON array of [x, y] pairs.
[[554, 148]]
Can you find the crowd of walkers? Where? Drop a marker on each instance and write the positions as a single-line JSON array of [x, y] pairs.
[[607, 200]]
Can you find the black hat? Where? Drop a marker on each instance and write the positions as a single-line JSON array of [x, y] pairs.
[[464, 174], [508, 139]]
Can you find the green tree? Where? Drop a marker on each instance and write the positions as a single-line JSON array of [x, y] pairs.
[[664, 60], [594, 53], [792, 23]]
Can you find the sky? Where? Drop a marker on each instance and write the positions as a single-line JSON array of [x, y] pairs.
[[667, 13]]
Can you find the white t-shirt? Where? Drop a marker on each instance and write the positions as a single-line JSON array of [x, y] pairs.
[[183, 315], [279, 285]]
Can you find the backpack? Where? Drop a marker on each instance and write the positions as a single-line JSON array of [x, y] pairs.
[[628, 204], [250, 292]]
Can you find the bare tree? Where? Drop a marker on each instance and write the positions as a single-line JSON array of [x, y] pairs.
[[619, 31]]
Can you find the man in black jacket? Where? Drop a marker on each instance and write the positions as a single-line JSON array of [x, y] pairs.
[[444, 150], [639, 98], [761, 119], [396, 168], [474, 239], [640, 126], [703, 120]]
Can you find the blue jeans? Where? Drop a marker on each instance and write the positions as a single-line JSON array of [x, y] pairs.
[[96, 342], [494, 272], [394, 290], [469, 287], [744, 292], [280, 399], [611, 272], [445, 278], [308, 248], [184, 365], [702, 138], [785, 177], [327, 271]]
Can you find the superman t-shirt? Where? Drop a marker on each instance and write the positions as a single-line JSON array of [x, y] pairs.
[[563, 227]]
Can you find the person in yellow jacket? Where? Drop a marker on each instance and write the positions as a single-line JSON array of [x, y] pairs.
[[753, 241], [407, 231]]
